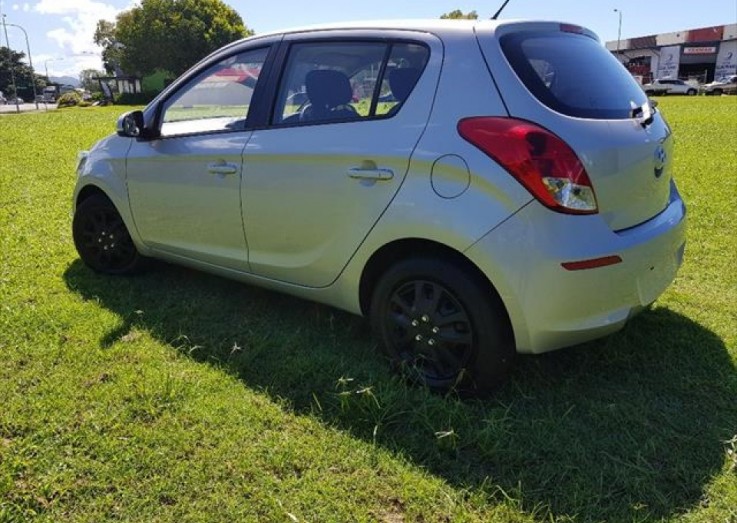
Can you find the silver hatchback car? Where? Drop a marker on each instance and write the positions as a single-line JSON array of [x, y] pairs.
[[478, 189]]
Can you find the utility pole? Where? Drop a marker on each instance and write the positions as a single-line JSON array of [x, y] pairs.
[[30, 62], [619, 33], [12, 72]]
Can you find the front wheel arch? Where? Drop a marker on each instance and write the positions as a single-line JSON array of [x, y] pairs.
[[102, 237], [89, 191]]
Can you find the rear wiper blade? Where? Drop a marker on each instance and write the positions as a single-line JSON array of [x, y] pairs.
[[645, 113]]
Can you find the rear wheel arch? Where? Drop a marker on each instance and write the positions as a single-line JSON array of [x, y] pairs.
[[400, 250], [437, 318]]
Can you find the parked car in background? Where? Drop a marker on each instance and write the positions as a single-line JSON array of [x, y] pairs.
[[50, 93], [669, 86], [471, 218], [726, 85], [3, 100], [16, 100]]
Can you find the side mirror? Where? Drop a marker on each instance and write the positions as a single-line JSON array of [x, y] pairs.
[[130, 124]]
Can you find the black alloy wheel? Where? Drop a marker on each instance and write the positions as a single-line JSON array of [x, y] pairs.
[[102, 239], [443, 327], [430, 330]]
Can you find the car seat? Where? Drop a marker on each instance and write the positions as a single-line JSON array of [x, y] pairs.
[[329, 92]]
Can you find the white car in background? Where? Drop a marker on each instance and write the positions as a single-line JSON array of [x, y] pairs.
[[725, 85], [669, 86]]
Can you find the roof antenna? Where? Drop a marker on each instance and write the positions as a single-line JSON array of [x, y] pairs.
[[496, 15]]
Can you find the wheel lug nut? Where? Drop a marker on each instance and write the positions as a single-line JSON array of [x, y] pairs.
[[425, 318], [418, 337], [415, 323], [431, 342], [435, 330]]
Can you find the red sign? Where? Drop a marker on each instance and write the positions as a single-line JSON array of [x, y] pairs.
[[706, 34]]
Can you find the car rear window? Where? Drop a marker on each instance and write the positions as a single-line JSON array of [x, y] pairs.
[[573, 74]]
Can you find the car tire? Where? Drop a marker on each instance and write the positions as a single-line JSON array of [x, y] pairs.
[[102, 239], [692, 92], [443, 327], [717, 92]]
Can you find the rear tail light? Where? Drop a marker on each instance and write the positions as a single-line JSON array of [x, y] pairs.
[[543, 163]]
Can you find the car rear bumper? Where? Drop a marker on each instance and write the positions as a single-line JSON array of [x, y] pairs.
[[552, 307]]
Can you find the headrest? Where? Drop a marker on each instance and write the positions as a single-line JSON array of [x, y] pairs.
[[327, 88], [401, 82]]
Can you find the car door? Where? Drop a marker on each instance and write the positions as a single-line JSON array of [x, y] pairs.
[[319, 176], [184, 184]]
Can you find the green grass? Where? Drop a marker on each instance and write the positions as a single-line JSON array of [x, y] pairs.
[[178, 396]]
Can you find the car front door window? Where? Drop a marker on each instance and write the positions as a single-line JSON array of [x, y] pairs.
[[217, 99]]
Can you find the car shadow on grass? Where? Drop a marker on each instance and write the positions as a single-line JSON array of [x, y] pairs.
[[631, 427]]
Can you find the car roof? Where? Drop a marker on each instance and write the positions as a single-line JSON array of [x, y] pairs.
[[423, 25], [436, 26]]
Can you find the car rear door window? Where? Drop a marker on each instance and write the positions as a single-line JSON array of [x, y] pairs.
[[573, 74], [346, 81]]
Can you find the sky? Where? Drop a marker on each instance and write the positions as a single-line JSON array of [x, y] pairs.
[[60, 31]]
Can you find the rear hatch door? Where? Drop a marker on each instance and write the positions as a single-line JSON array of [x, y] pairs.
[[560, 77]]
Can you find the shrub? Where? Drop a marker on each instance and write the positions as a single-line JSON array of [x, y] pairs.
[[70, 99], [134, 99]]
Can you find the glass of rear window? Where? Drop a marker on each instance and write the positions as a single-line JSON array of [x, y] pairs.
[[573, 74]]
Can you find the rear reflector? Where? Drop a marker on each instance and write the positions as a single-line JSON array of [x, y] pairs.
[[591, 264], [540, 160]]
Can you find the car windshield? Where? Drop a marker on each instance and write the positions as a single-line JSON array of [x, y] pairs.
[[573, 74]]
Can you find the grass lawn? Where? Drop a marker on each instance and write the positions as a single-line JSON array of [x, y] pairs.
[[179, 396]]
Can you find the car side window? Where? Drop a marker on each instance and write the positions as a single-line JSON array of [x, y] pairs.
[[405, 66], [337, 81], [218, 99]]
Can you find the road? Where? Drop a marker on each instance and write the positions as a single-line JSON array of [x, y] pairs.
[[24, 108]]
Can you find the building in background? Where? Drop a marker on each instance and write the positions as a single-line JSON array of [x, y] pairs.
[[701, 54]]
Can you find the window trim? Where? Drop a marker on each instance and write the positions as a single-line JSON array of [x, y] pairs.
[[280, 67]]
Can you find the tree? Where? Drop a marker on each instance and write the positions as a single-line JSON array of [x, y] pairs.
[[23, 75], [168, 35], [460, 15], [111, 48], [88, 79]]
